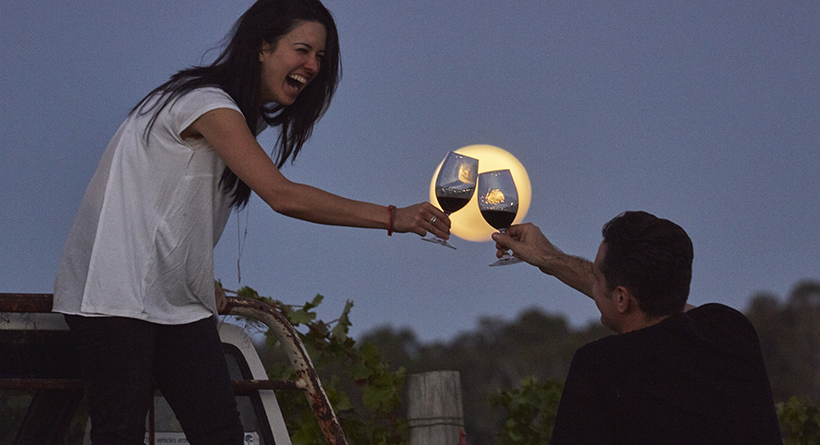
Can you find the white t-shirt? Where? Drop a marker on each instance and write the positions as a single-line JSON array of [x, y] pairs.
[[142, 242]]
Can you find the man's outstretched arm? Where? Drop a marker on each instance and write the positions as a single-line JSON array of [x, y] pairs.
[[528, 243]]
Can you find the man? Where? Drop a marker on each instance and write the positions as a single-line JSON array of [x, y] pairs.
[[676, 374]]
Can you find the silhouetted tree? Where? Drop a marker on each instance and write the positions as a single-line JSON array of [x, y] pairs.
[[790, 340]]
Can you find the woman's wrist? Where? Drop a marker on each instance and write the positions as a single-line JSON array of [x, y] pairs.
[[391, 210]]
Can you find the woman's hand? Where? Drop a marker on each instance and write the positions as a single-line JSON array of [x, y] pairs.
[[422, 218], [221, 301]]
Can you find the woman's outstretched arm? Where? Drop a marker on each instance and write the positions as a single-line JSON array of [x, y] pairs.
[[225, 129]]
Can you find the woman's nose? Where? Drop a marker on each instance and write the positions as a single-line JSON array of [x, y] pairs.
[[313, 64]]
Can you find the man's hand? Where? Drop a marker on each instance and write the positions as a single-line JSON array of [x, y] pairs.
[[528, 243]]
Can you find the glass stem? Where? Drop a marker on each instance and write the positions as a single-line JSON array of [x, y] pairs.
[[506, 252]]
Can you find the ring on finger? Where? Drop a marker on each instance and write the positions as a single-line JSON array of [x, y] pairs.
[[433, 219]]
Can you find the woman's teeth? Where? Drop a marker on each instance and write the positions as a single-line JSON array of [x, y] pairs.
[[301, 79]]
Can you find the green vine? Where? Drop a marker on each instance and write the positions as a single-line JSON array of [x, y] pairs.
[[365, 391], [800, 422], [530, 411]]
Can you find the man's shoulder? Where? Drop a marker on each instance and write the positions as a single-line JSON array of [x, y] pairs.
[[708, 326], [716, 318], [714, 309], [612, 345], [711, 318]]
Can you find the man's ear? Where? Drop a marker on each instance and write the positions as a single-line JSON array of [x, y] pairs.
[[624, 300]]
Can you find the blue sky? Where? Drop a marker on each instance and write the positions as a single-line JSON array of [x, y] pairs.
[[703, 112]]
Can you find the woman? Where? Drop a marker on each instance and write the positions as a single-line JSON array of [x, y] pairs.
[[136, 279]]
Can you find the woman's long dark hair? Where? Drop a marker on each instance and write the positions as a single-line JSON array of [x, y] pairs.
[[237, 72]]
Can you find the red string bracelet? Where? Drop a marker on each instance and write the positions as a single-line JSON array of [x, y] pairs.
[[391, 209]]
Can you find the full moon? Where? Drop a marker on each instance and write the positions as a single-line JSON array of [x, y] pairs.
[[468, 223]]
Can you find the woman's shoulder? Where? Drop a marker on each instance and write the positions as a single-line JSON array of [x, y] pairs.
[[200, 100], [207, 93]]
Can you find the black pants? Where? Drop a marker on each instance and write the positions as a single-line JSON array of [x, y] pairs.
[[123, 357]]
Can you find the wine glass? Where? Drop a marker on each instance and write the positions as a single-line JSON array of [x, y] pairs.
[[455, 185], [498, 203]]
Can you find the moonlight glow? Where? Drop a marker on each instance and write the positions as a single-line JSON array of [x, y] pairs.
[[468, 222]]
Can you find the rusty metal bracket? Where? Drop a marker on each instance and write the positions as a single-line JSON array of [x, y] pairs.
[[299, 360]]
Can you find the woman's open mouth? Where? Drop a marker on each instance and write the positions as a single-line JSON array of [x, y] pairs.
[[296, 81]]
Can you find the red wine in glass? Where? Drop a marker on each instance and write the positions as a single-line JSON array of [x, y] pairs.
[[499, 219], [455, 185], [450, 203], [498, 203]]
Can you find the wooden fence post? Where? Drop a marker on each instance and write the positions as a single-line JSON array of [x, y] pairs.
[[434, 411]]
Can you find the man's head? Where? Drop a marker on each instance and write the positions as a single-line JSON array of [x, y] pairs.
[[649, 257]]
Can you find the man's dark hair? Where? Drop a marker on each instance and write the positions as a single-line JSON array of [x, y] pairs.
[[650, 256]]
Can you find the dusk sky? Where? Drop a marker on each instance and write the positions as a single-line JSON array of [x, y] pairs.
[[703, 112]]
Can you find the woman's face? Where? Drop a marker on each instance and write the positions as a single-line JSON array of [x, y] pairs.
[[291, 62]]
